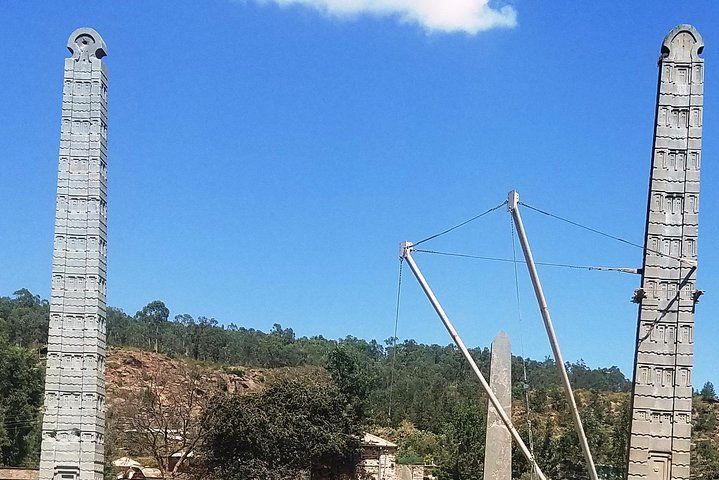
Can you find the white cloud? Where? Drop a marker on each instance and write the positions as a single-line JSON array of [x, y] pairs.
[[469, 16]]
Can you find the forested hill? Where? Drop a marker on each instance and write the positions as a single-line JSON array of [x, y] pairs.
[[422, 396], [24, 321]]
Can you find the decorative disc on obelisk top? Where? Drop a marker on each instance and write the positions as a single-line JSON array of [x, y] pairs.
[[85, 43], [683, 44]]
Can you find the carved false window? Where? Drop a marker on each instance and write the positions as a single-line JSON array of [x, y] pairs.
[[674, 118], [682, 76], [683, 120], [696, 117], [651, 288], [658, 202], [670, 334], [683, 418], [643, 377], [683, 378], [668, 378], [680, 161], [693, 206], [666, 247], [686, 334], [675, 250], [694, 160], [667, 73]]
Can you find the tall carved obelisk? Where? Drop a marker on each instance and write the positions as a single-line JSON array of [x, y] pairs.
[[74, 420], [662, 398]]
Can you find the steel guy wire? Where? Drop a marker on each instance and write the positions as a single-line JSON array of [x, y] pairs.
[[394, 341], [476, 217], [599, 232], [545, 264]]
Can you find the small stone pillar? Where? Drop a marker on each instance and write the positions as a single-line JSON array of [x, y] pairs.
[[498, 448]]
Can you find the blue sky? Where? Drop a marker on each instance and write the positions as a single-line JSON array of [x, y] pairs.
[[267, 158]]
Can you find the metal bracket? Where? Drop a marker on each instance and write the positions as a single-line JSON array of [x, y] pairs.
[[405, 248], [696, 294], [639, 295]]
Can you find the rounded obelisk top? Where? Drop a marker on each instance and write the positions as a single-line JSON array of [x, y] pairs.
[[85, 43], [501, 338], [683, 44]]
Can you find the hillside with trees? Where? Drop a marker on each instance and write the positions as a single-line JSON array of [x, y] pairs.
[[230, 394]]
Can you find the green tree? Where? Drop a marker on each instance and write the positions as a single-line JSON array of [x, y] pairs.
[[164, 417], [352, 376], [704, 460], [294, 426], [464, 438], [21, 393], [619, 438], [704, 416], [184, 326], [120, 328], [24, 319], [707, 392], [416, 446], [155, 315]]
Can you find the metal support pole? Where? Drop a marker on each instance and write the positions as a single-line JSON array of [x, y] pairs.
[[405, 252], [513, 206]]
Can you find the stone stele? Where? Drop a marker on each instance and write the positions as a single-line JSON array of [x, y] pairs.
[[498, 447], [74, 421], [662, 394]]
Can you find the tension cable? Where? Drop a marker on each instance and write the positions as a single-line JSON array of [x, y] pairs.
[[545, 264], [394, 341], [461, 224], [525, 382], [604, 234]]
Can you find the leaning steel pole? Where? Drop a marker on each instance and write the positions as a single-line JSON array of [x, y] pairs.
[[513, 206], [406, 254]]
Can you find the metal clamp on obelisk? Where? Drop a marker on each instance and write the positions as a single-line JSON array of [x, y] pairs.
[[662, 398], [74, 421]]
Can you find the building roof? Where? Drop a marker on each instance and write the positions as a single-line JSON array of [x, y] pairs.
[[151, 472], [370, 440], [126, 462], [142, 473]]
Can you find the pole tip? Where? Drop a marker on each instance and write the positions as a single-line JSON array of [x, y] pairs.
[[405, 248], [512, 200]]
